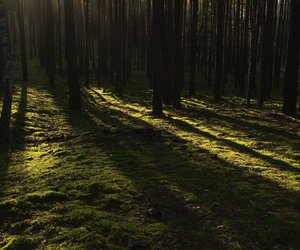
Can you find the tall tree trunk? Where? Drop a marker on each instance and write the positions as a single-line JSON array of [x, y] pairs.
[[178, 60], [5, 118], [292, 65], [59, 34], [157, 33], [219, 50], [51, 43], [22, 39], [193, 36], [267, 54], [74, 88], [87, 42]]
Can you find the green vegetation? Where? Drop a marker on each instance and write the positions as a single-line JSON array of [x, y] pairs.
[[207, 176]]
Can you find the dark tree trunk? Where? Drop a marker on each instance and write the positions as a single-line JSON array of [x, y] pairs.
[[178, 60], [292, 65], [22, 40], [87, 42], [74, 88], [51, 44], [59, 34], [219, 50], [267, 54], [157, 33], [5, 118], [194, 26]]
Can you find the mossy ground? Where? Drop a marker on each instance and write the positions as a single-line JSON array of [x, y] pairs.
[[207, 176]]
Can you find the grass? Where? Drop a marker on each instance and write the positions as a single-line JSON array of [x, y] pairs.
[[207, 176]]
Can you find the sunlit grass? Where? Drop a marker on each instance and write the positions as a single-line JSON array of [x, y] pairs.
[[217, 137]]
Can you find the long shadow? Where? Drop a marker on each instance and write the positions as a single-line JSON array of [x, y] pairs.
[[236, 146], [18, 131], [243, 125], [17, 137], [149, 164], [230, 122], [240, 148], [239, 123], [4, 164]]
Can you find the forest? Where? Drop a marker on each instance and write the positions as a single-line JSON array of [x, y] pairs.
[[149, 124]]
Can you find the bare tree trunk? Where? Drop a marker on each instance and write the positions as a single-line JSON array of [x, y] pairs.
[[87, 42], [5, 118], [158, 14], [74, 88], [292, 65], [219, 50], [22, 39]]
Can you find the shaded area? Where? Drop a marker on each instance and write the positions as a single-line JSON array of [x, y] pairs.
[[18, 125]]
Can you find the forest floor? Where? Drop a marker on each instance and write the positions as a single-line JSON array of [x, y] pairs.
[[207, 176]]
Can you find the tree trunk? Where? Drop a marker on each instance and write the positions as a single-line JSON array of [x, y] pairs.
[[74, 88], [5, 118], [158, 15], [194, 26], [22, 39], [292, 65], [219, 50]]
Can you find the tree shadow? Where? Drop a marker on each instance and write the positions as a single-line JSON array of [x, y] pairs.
[[239, 123], [19, 124], [4, 164], [17, 137], [236, 146]]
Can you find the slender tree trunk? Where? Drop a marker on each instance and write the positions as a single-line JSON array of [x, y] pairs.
[[5, 118], [87, 42], [59, 34], [219, 50], [22, 39], [158, 15], [194, 29], [178, 60], [74, 87], [51, 43]]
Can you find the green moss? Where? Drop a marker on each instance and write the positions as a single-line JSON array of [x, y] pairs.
[[19, 243], [45, 197], [215, 175]]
